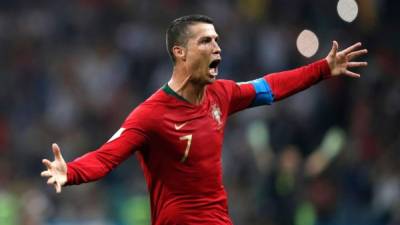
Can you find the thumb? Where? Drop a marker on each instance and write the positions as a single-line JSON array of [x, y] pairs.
[[335, 47], [57, 152]]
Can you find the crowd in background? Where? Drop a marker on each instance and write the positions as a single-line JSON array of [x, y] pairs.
[[71, 71]]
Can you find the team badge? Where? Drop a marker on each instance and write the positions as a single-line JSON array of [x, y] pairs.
[[216, 113]]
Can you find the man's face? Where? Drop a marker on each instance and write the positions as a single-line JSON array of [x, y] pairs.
[[203, 53]]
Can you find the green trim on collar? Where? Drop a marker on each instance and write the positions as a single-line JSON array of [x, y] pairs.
[[169, 91]]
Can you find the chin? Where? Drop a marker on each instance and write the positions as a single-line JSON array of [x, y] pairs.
[[205, 79], [211, 79]]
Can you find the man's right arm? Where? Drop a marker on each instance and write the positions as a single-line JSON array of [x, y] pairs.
[[96, 164]]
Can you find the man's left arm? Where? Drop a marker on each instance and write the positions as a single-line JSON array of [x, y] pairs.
[[287, 83], [277, 86]]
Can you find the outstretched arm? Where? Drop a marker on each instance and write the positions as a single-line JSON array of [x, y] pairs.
[[93, 165], [284, 84], [277, 86]]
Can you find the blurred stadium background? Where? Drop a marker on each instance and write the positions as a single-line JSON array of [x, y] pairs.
[[71, 71]]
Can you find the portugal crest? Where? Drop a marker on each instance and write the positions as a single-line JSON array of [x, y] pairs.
[[216, 113]]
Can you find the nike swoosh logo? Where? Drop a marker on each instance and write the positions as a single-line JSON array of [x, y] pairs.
[[178, 127]]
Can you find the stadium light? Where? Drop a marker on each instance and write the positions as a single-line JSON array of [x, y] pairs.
[[307, 43], [347, 10]]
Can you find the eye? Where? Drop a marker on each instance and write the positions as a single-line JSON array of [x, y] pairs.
[[205, 40]]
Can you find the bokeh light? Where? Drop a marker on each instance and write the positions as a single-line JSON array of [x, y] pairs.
[[347, 10], [307, 43]]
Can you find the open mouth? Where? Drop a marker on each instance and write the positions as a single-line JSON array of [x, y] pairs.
[[213, 67]]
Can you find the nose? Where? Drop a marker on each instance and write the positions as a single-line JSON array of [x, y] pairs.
[[217, 49]]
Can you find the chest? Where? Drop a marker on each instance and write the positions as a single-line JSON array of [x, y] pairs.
[[193, 135]]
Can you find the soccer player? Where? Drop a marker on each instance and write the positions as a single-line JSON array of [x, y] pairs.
[[177, 133]]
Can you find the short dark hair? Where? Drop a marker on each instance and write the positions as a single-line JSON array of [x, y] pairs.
[[177, 32]]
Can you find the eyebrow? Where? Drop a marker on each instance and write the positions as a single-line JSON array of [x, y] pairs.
[[208, 37]]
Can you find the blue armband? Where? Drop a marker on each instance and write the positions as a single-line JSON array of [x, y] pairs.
[[264, 94]]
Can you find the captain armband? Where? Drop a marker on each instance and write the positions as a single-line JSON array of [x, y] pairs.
[[264, 94]]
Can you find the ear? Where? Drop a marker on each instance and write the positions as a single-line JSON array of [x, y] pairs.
[[179, 52]]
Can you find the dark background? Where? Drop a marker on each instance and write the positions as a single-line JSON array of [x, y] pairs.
[[71, 71]]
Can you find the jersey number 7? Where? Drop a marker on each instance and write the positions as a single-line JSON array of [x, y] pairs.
[[189, 142]]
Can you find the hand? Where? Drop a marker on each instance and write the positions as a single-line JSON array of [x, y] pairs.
[[56, 170], [339, 62]]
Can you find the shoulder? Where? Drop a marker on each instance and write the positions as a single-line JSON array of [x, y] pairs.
[[224, 86], [222, 83], [229, 88], [148, 113]]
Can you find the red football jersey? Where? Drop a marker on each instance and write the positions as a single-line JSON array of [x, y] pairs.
[[179, 145], [179, 148]]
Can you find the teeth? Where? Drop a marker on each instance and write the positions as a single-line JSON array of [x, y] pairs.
[[214, 71]]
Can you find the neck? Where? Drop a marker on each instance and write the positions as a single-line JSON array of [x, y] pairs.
[[181, 83]]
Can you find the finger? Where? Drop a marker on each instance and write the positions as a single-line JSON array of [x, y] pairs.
[[357, 53], [46, 173], [356, 64], [47, 163], [57, 186], [351, 74], [57, 152], [351, 48], [335, 47], [51, 180]]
